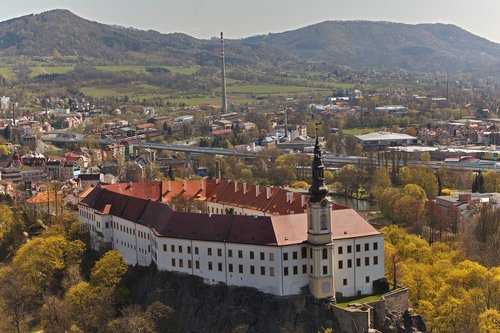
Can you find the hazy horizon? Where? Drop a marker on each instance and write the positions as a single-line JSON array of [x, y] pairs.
[[238, 20]]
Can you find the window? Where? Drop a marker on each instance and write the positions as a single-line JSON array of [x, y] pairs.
[[349, 263], [252, 254], [196, 251], [197, 264], [271, 256], [367, 261], [262, 256], [219, 252], [285, 256], [367, 279], [230, 268], [358, 247], [230, 253], [209, 251], [375, 260], [324, 254], [252, 269], [240, 254], [304, 252], [310, 253], [358, 262], [209, 265], [295, 255], [325, 270], [107, 225], [304, 269], [323, 222], [219, 266], [349, 248], [367, 246], [172, 248], [180, 248], [181, 263], [340, 250], [344, 282], [164, 247], [189, 249], [240, 269], [271, 271], [375, 246], [341, 264], [262, 270], [285, 271], [312, 270], [190, 264], [173, 262]]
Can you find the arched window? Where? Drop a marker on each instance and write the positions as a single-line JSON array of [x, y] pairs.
[[324, 254], [309, 220], [323, 222]]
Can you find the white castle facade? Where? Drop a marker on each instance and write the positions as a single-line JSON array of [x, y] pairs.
[[274, 240]]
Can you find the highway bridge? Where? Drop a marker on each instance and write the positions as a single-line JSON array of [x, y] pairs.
[[472, 166], [328, 159], [160, 146]]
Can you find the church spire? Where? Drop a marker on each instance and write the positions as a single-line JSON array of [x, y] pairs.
[[318, 189]]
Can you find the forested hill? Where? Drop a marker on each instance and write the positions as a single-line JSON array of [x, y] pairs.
[[377, 45], [62, 33], [423, 47]]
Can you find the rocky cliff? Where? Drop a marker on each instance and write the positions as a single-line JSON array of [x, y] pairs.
[[202, 308]]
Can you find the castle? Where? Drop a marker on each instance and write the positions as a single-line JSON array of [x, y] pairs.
[[256, 236]]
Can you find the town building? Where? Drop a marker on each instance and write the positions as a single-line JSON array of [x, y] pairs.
[[277, 241], [381, 140]]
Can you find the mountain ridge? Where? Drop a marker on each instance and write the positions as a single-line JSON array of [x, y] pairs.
[[379, 45]]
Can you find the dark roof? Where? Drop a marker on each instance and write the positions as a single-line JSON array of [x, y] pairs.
[[261, 230], [89, 176]]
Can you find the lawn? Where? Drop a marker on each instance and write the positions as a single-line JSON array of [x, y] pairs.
[[360, 130], [142, 69], [366, 299], [7, 73], [268, 89], [37, 70]]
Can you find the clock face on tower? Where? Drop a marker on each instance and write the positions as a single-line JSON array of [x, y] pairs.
[[324, 202]]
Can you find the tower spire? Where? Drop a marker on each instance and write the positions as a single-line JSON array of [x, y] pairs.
[[318, 189], [223, 75]]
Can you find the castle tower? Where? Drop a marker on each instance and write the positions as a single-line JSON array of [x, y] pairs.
[[319, 233]]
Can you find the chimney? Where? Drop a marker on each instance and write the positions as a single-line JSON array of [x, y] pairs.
[[223, 75], [289, 196], [244, 188], [302, 200], [257, 189], [169, 186], [161, 190], [268, 192], [184, 185], [201, 184], [217, 170], [235, 186], [217, 181]]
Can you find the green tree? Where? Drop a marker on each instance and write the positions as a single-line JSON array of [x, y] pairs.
[[109, 271]]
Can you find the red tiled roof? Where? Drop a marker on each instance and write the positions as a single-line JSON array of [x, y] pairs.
[[264, 230]]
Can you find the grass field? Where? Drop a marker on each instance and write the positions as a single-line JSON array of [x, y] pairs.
[[37, 70], [361, 130], [367, 299], [142, 69], [7, 73], [268, 89]]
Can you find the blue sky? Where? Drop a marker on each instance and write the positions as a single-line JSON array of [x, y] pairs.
[[242, 18]]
